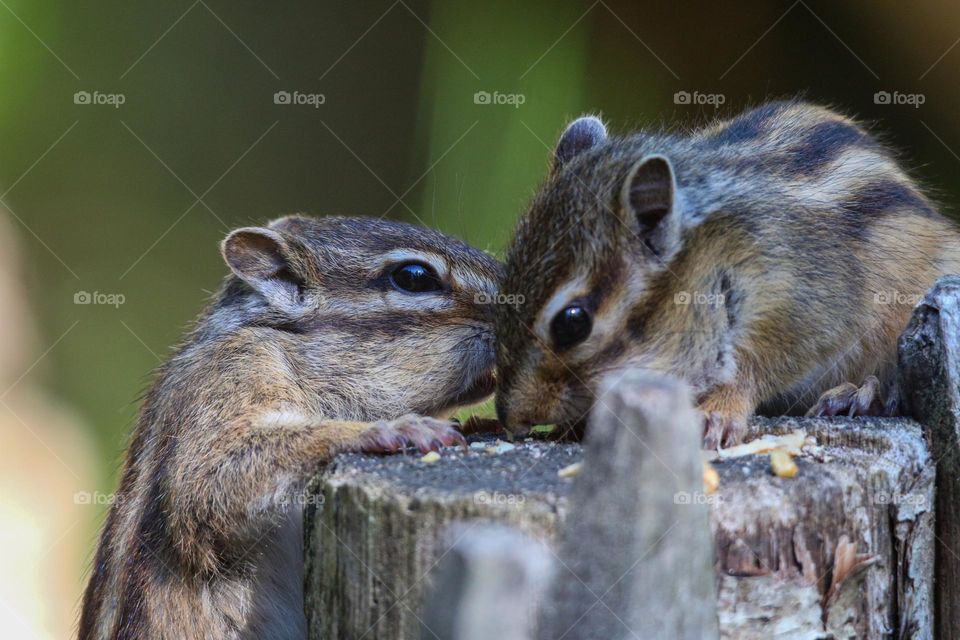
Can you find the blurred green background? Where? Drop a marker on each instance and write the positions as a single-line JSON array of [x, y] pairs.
[[133, 199]]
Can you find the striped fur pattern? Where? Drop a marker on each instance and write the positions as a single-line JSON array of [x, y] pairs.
[[792, 252], [204, 539]]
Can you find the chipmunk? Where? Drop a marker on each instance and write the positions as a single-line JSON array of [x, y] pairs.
[[764, 260], [331, 335]]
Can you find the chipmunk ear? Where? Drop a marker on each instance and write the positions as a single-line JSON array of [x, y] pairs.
[[582, 134], [648, 202], [262, 258]]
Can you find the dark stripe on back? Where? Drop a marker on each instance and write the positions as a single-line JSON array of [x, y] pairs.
[[143, 561], [886, 195], [749, 126], [822, 144]]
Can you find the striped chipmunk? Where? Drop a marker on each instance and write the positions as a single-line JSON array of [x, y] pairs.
[[770, 261], [330, 335]]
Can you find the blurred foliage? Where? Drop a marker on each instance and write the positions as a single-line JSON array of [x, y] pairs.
[[107, 198], [489, 157]]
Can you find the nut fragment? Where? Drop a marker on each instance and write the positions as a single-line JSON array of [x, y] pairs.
[[782, 464], [792, 442], [500, 447], [431, 456], [711, 479], [570, 470]]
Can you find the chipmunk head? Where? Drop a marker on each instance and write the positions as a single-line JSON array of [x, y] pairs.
[[380, 317], [600, 265]]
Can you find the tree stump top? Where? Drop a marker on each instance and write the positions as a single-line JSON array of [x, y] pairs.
[[529, 468], [864, 490]]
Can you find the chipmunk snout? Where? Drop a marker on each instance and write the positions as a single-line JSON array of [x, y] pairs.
[[517, 417]]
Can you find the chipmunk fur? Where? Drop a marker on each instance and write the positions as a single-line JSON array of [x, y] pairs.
[[765, 260], [313, 346]]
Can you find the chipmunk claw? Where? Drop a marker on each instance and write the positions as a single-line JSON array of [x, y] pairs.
[[725, 410], [411, 432], [848, 399], [722, 430]]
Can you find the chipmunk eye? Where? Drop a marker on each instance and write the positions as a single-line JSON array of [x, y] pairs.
[[416, 278], [571, 326]]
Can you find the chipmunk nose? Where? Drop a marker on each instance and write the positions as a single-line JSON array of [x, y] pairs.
[[515, 424]]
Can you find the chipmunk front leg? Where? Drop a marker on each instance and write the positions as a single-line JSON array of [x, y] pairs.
[[323, 439], [725, 410], [224, 490]]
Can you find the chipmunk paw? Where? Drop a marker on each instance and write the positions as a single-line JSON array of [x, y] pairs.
[[848, 399], [722, 430], [725, 411], [411, 431]]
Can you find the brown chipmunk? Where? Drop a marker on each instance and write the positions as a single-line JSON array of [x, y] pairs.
[[331, 335], [764, 260]]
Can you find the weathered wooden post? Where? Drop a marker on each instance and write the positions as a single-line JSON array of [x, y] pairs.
[[930, 392], [376, 542], [844, 548], [488, 586], [636, 555]]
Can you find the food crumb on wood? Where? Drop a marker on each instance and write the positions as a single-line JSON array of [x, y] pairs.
[[501, 447], [711, 479], [571, 470], [791, 443], [782, 464]]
